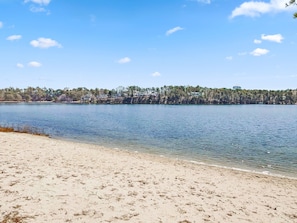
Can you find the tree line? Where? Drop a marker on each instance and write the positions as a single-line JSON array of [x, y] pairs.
[[155, 95]]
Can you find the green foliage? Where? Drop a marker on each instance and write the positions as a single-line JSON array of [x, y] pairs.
[[159, 95], [290, 3]]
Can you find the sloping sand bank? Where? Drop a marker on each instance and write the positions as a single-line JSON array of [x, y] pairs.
[[47, 180]]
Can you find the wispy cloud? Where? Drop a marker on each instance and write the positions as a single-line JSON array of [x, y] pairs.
[[278, 38], [259, 52], [124, 60], [38, 5], [34, 64], [44, 43], [1, 24], [173, 30], [40, 2], [20, 65], [242, 53], [14, 37], [257, 41], [229, 58], [37, 9], [93, 18], [256, 8], [156, 74], [202, 1]]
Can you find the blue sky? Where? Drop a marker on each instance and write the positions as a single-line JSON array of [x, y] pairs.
[[148, 43]]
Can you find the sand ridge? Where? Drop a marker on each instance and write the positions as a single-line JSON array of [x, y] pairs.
[[48, 180]]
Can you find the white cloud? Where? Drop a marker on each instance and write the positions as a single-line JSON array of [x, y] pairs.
[[274, 38], [34, 64], [256, 8], [229, 58], [1, 24], [19, 65], [37, 9], [257, 41], [175, 29], [124, 60], [14, 37], [40, 2], [202, 1], [259, 52], [45, 43], [242, 53], [156, 74]]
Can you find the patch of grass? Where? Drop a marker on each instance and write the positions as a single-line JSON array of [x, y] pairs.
[[6, 129], [23, 129]]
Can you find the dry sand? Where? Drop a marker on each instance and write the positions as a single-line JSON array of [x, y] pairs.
[[47, 180]]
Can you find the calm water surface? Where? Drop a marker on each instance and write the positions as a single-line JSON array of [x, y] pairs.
[[252, 137]]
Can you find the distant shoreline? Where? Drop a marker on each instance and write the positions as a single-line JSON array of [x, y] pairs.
[[112, 102], [174, 95]]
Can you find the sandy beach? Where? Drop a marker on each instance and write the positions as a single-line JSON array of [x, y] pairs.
[[48, 180]]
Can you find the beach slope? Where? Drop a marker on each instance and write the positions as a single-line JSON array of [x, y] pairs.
[[48, 180]]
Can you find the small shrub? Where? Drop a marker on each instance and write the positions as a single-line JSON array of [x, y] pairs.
[[23, 129]]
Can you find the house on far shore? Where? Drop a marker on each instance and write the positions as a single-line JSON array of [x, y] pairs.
[[236, 88]]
